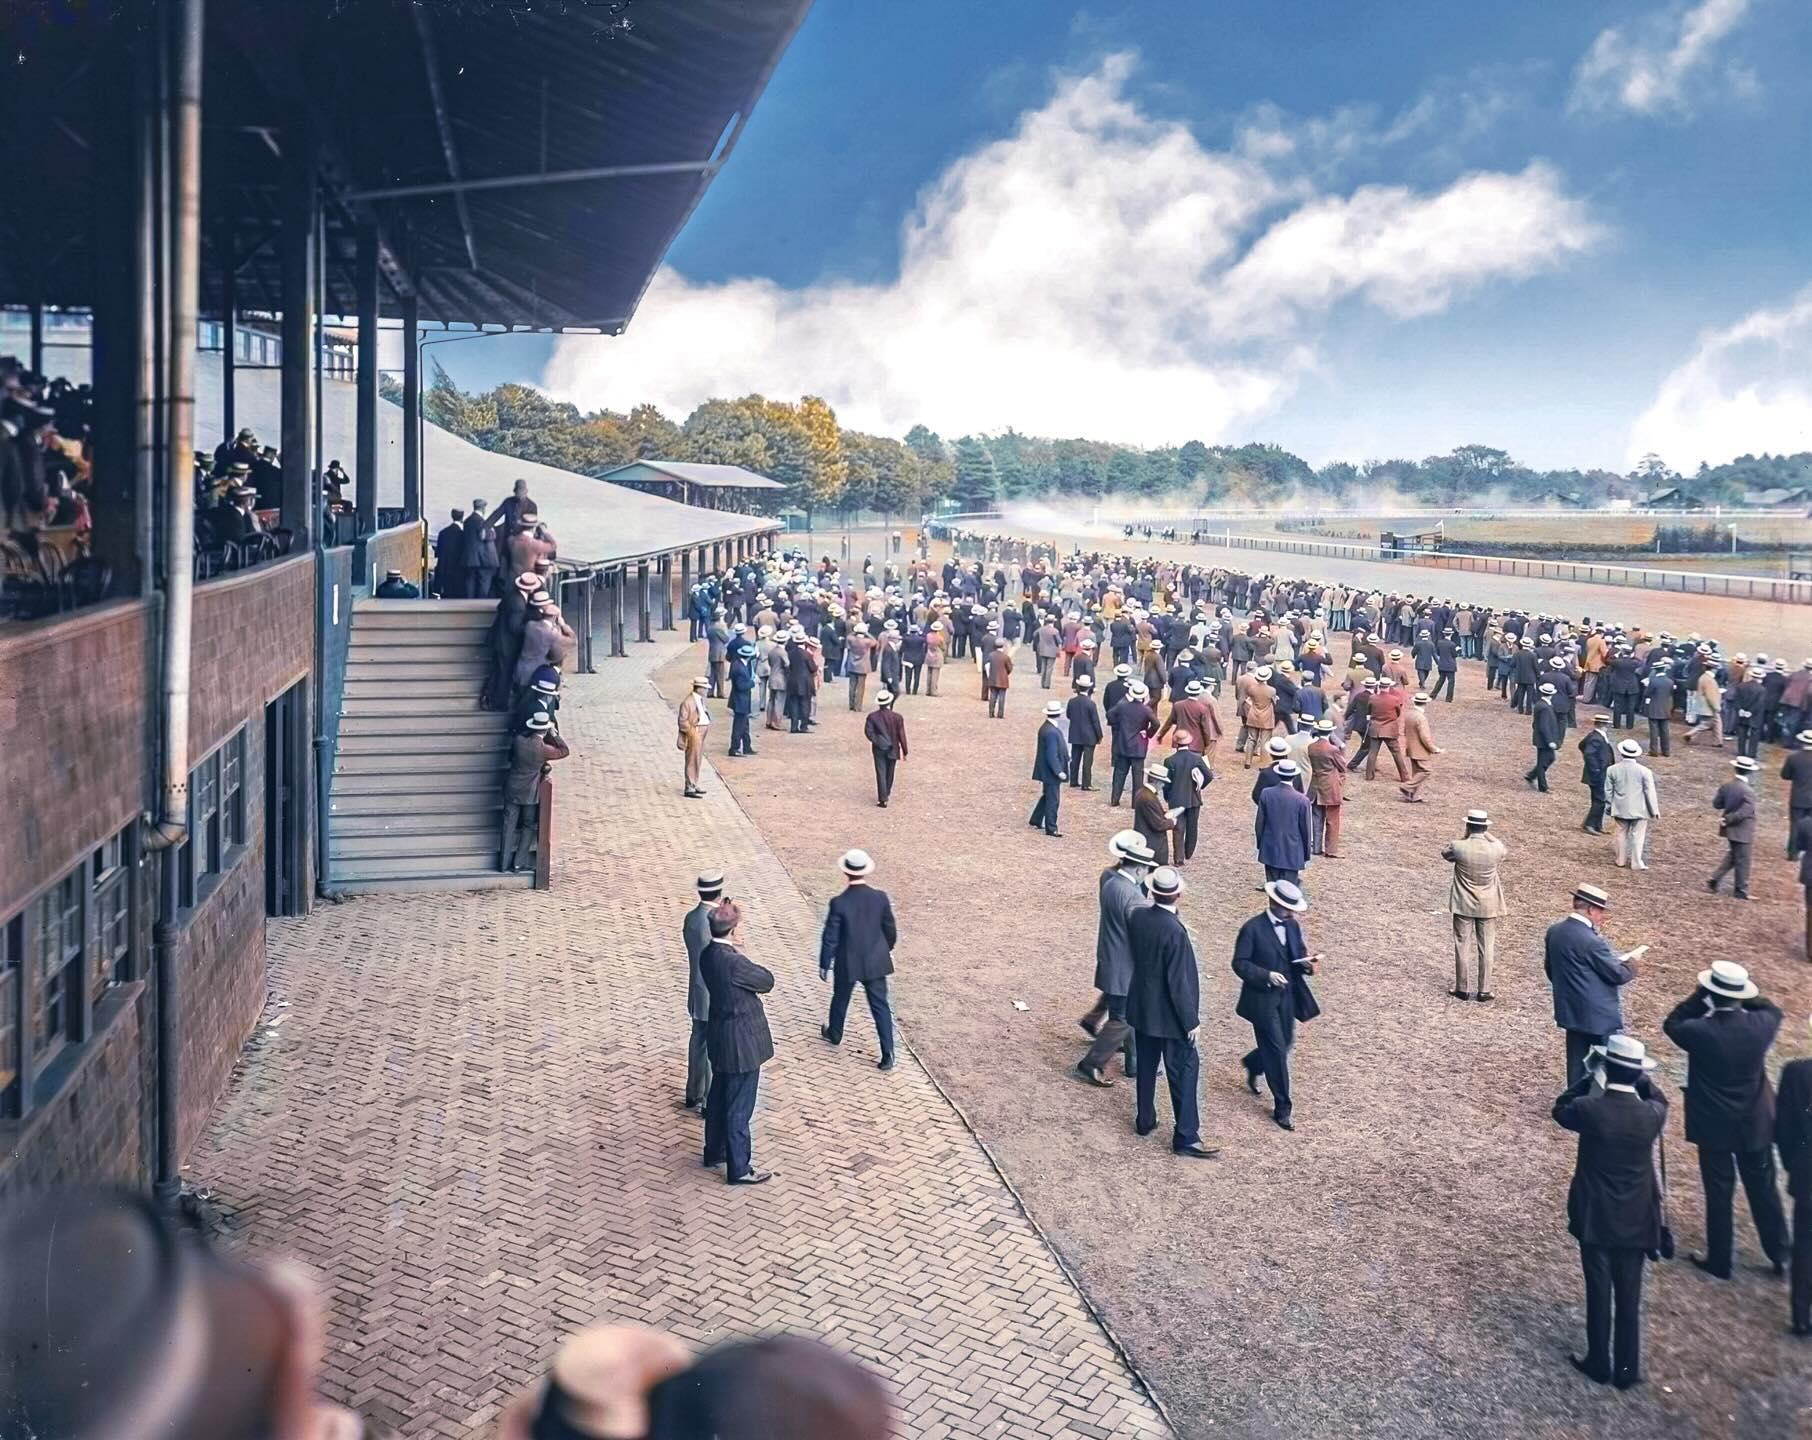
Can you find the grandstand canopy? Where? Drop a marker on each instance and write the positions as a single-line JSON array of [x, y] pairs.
[[526, 165]]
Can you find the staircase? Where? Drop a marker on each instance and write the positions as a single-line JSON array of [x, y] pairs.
[[417, 787]]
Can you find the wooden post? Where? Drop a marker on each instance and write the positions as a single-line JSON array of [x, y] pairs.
[[667, 591], [644, 619], [544, 835], [619, 582]]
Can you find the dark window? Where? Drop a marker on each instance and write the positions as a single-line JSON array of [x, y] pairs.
[[232, 789], [55, 997], [11, 943], [204, 818], [112, 954], [217, 818]]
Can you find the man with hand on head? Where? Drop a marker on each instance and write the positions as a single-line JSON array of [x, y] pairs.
[[857, 946], [1163, 1008], [696, 932], [739, 1044]]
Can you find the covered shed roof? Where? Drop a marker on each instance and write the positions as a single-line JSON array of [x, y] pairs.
[[709, 477]]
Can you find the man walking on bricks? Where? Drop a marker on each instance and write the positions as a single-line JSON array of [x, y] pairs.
[[857, 946]]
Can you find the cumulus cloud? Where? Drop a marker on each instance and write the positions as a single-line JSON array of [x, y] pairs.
[[1098, 271], [1649, 67], [1746, 390]]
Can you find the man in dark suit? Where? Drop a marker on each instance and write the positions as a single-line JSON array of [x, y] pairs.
[[696, 932], [1586, 975], [1049, 766], [1727, 1029], [738, 1039], [1273, 965], [1085, 733], [1132, 723], [1659, 706], [1793, 1138], [1122, 891], [450, 559], [857, 945], [886, 731], [1614, 1202], [1545, 733], [1163, 1007], [1597, 757]]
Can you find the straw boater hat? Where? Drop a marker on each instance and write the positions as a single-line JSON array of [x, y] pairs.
[[1194, 687], [856, 864], [1624, 1050], [700, 683], [1263, 672], [1166, 884], [1130, 845], [1420, 698], [1053, 708], [1805, 738], [711, 884], [1743, 765], [1592, 895], [1277, 746], [1156, 771], [1478, 820], [1601, 719], [1728, 980], [1084, 682], [1285, 768], [1286, 895], [528, 581], [1545, 689], [1137, 690], [1122, 671], [884, 698], [1629, 749], [1324, 725]]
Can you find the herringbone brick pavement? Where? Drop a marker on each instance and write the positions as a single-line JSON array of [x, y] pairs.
[[463, 1110]]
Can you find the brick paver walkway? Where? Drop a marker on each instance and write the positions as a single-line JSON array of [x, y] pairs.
[[465, 1115]]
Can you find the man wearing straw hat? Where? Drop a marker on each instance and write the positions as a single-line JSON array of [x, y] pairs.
[[1596, 756], [1735, 804], [1796, 770], [1586, 975], [694, 721], [1050, 765], [695, 931], [1544, 733], [1152, 816], [885, 730], [1614, 1204], [1629, 788], [1164, 1009], [1273, 965], [1476, 903], [1793, 1138], [859, 936], [1281, 826], [1122, 891], [1726, 1029]]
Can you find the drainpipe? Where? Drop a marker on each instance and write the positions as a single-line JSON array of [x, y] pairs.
[[183, 100]]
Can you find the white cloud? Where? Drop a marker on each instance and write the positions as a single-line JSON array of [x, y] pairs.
[[1746, 390], [1649, 67], [1098, 271]]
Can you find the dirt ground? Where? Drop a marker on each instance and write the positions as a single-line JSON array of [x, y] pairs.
[[1400, 1264]]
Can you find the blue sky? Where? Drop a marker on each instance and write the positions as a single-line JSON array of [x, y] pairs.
[[1576, 231]]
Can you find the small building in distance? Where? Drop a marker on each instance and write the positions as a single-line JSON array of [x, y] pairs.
[[1672, 498], [1789, 501], [710, 487], [1557, 500]]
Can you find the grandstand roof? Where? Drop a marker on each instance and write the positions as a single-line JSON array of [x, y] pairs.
[[525, 165], [709, 477]]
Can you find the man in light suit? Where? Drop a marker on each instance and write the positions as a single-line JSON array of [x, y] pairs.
[[1164, 1010], [1727, 1029], [1476, 903], [857, 945], [1629, 789], [1049, 767], [696, 931], [1122, 891], [1586, 975], [1614, 1202], [1273, 965], [694, 721]]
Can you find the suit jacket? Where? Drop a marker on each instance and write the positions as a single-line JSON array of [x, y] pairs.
[[1629, 785], [1660, 696], [1189, 777], [1729, 1103], [1281, 827], [1000, 667], [1735, 801], [1586, 975], [1615, 1197], [1166, 994], [1418, 738], [1796, 770], [1257, 955], [1151, 818], [1327, 774], [1793, 1127], [1085, 722], [1544, 726], [1120, 896], [697, 934], [1477, 890], [736, 1035], [1384, 717], [886, 732], [1596, 754], [1052, 761], [859, 935], [1194, 718], [1132, 723]]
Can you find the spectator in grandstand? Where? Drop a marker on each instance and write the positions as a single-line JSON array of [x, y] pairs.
[[450, 558], [482, 559]]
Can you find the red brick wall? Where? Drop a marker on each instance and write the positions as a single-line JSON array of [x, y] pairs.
[[73, 717], [254, 636], [399, 548]]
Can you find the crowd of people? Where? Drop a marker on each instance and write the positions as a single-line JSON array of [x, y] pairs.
[[1177, 638], [46, 455]]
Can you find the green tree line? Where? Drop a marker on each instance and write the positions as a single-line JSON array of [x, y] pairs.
[[824, 466]]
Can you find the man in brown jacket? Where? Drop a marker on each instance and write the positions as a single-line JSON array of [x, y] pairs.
[[1384, 730], [1000, 675], [860, 650], [1152, 818], [531, 752], [1327, 790], [1418, 748], [1195, 717], [1476, 902]]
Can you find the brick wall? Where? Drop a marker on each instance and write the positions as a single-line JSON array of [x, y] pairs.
[[73, 716], [254, 636], [93, 1130]]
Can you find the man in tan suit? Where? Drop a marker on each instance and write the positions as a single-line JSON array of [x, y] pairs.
[[1476, 902], [1418, 748], [1327, 790], [694, 721]]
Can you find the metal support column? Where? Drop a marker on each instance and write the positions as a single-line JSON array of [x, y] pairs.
[[667, 592], [366, 475], [296, 382], [229, 332], [588, 628], [644, 619], [37, 337], [619, 582], [412, 409]]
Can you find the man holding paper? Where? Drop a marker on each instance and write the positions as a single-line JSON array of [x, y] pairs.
[[1274, 966], [1586, 975]]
